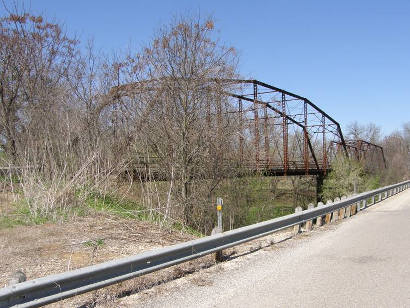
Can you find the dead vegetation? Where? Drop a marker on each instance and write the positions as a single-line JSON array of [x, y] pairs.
[[50, 248]]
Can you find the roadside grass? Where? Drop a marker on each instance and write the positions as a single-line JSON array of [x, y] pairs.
[[247, 200], [20, 215], [8, 221], [95, 243], [7, 179], [255, 199], [186, 229], [130, 209], [119, 206]]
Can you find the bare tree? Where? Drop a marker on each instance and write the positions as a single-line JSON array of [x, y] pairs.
[[397, 151], [369, 132], [181, 108], [35, 56]]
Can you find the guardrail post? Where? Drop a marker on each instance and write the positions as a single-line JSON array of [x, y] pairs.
[[219, 257], [342, 211], [328, 215], [335, 214], [319, 219], [348, 210], [373, 199], [358, 206], [353, 209], [309, 223], [296, 228], [380, 197]]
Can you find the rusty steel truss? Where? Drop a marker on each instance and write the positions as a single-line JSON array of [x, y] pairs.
[[297, 134], [365, 151], [279, 132]]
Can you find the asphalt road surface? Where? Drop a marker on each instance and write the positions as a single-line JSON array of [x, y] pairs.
[[363, 261]]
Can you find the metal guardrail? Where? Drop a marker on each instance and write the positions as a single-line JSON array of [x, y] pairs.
[[49, 289]]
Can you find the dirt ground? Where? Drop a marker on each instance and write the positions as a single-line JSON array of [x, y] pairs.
[[51, 248]]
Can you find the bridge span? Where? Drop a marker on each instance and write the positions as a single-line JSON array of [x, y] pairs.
[[278, 132]]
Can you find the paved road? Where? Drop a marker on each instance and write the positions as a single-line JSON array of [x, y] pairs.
[[363, 261]]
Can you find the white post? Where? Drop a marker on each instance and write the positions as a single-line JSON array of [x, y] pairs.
[[328, 215], [219, 228], [358, 207], [319, 219], [342, 211], [296, 228], [335, 214], [309, 223]]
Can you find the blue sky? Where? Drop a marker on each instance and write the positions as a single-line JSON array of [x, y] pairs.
[[352, 58]]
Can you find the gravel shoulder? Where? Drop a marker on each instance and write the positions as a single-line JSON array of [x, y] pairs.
[[363, 261]]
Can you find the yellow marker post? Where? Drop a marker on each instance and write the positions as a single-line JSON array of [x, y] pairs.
[[219, 203], [219, 229]]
